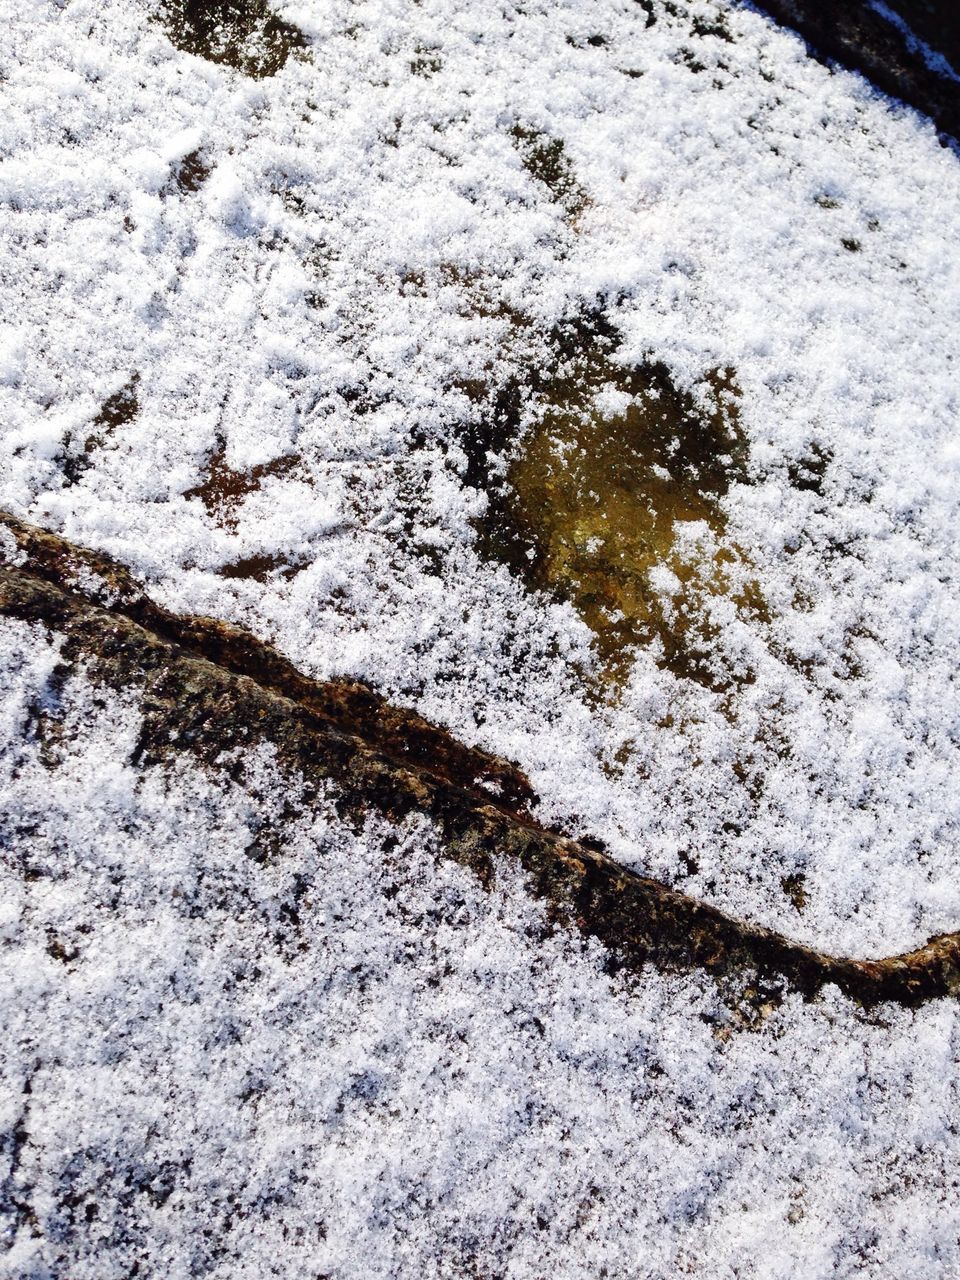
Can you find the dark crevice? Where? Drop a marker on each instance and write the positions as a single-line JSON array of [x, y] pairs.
[[214, 691], [346, 705], [260, 568], [858, 36]]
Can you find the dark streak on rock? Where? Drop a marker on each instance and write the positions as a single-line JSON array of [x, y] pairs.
[[260, 568], [857, 36], [15, 1207], [211, 689], [116, 411], [347, 705]]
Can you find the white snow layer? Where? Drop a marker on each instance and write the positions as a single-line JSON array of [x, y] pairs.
[[346, 1059], [366, 231], [317, 296]]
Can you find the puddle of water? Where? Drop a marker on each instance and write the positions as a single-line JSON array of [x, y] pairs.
[[620, 462], [244, 34]]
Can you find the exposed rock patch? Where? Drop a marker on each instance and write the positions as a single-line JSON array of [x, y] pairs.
[[244, 34], [598, 493], [876, 40]]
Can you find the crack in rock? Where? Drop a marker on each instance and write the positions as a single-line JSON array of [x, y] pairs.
[[210, 689]]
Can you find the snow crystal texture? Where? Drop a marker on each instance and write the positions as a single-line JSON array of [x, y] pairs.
[[347, 1059], [243, 324]]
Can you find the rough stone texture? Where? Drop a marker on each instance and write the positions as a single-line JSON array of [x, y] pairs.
[[860, 38], [212, 689]]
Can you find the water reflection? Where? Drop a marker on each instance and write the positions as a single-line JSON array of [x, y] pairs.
[[599, 496]]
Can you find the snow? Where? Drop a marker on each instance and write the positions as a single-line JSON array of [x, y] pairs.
[[346, 1058], [361, 252], [338, 276]]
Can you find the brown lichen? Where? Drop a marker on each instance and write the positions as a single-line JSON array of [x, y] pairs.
[[224, 488], [545, 159], [191, 173], [116, 411], [260, 568]]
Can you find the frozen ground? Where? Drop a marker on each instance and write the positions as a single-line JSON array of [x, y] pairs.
[[348, 1060], [250, 333]]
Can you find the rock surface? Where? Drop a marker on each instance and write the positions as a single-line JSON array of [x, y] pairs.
[[212, 690]]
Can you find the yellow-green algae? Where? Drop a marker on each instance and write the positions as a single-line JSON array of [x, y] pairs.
[[619, 464]]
